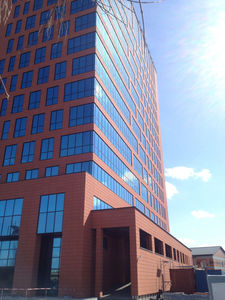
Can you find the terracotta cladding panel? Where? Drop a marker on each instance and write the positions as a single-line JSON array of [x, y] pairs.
[[29, 243], [149, 262], [144, 263]]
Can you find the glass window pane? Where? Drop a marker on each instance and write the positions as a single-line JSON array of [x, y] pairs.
[[2, 208], [55, 263], [12, 254], [9, 208], [57, 242], [5, 244], [60, 202], [3, 254], [11, 262], [13, 244], [41, 223], [18, 206], [6, 226], [52, 202], [44, 204], [58, 221], [50, 222], [56, 252], [15, 225], [3, 263], [1, 222]]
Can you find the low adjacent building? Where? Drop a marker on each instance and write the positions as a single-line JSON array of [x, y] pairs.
[[209, 257]]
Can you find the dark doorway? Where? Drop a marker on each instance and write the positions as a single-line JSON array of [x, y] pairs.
[[116, 258], [6, 277], [44, 271], [49, 263]]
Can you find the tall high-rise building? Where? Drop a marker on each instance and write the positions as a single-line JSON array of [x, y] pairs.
[[82, 192]]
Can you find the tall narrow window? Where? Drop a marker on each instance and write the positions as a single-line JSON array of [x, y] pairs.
[[52, 95], [34, 101], [37, 4], [27, 79], [2, 64], [5, 130], [28, 152], [26, 8], [60, 12], [11, 63], [3, 107], [30, 22], [51, 213], [20, 42], [45, 15], [24, 60], [10, 215], [40, 55], [20, 127], [60, 70], [145, 240], [32, 38], [18, 26], [64, 28], [56, 50], [16, 11], [38, 123], [43, 75], [13, 83], [8, 29], [56, 119], [10, 46], [10, 155], [17, 104], [48, 34], [47, 148], [2, 88]]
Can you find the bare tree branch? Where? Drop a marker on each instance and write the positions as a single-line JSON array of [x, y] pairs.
[[4, 87], [5, 10]]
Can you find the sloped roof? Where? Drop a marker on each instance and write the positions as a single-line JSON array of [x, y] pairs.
[[206, 250]]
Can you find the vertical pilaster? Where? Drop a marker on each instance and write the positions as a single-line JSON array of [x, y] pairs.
[[99, 263]]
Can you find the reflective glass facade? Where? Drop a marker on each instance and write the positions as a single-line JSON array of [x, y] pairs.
[[123, 90]]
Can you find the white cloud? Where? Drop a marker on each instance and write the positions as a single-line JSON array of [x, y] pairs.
[[171, 190], [128, 176], [201, 214], [205, 175], [184, 173]]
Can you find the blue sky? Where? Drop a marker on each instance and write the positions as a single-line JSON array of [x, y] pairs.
[[187, 43]]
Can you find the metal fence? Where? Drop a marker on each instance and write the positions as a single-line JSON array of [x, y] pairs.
[[23, 292]]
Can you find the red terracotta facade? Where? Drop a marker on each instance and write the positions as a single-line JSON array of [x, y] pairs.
[[101, 249]]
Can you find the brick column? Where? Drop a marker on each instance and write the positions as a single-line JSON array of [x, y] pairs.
[[133, 260], [99, 263]]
